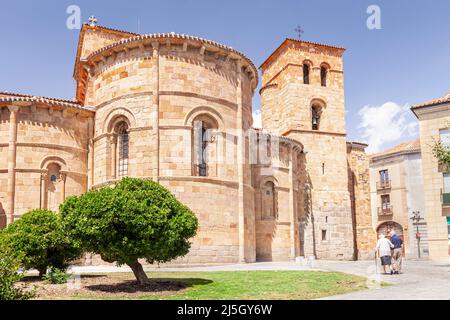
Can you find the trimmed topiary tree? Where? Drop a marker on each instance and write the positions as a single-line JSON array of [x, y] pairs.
[[136, 219], [38, 237]]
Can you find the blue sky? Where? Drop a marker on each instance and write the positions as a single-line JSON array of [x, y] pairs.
[[405, 62]]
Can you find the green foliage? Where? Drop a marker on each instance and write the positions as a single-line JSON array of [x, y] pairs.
[[442, 153], [57, 276], [136, 219], [41, 241], [9, 275]]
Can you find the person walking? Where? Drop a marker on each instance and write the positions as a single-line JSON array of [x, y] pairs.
[[384, 247], [397, 253]]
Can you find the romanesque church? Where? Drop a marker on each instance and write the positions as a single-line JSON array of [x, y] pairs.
[[177, 109]]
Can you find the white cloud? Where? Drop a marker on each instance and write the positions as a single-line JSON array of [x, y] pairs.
[[383, 125], [257, 121]]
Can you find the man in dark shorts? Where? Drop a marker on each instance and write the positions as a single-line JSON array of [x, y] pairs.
[[397, 253]]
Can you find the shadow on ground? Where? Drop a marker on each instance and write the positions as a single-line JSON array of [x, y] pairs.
[[156, 285]]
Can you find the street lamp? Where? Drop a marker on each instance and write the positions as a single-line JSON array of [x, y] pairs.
[[416, 220]]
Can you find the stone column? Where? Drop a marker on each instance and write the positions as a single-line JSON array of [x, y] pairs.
[[292, 205], [240, 162], [90, 153], [155, 103], [14, 110], [63, 176], [44, 177], [113, 143]]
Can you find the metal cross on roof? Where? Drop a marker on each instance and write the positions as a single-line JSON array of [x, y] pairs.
[[93, 21], [300, 31]]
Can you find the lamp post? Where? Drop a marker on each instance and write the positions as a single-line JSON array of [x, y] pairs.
[[416, 220]]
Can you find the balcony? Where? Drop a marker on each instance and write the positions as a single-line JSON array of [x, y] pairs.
[[446, 199], [385, 210], [384, 185]]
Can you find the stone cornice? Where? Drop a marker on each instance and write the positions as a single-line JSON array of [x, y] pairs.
[[268, 86], [374, 159], [430, 108], [23, 100], [211, 180], [294, 144], [140, 41], [42, 171], [315, 132], [300, 44]]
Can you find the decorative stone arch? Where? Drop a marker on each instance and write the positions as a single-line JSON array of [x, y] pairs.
[[317, 106], [53, 159], [117, 115], [318, 100], [308, 62], [207, 111], [385, 226], [307, 67], [269, 179], [325, 74], [326, 65]]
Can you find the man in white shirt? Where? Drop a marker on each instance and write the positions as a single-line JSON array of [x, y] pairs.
[[384, 247]]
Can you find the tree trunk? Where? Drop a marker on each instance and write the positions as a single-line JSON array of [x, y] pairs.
[[139, 273], [42, 272]]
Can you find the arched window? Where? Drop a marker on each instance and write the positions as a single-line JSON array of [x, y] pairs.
[[323, 75], [123, 141], [306, 72], [53, 187], [268, 200], [316, 112], [204, 140]]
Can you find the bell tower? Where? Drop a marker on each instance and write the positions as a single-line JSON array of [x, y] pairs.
[[302, 97]]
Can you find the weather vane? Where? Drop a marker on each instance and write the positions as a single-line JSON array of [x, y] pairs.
[[93, 21], [299, 31]]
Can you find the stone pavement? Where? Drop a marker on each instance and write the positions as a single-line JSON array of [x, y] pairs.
[[420, 280]]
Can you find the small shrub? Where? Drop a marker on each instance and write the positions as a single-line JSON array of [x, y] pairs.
[[56, 276], [41, 241], [10, 275]]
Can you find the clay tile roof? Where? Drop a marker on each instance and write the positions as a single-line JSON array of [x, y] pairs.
[[9, 97], [406, 147], [433, 102]]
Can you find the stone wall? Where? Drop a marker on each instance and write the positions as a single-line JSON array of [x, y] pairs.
[[359, 187]]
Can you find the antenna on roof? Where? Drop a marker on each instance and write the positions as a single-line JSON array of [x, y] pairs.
[[93, 21], [299, 31]]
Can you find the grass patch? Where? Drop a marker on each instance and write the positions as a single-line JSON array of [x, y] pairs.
[[239, 285]]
